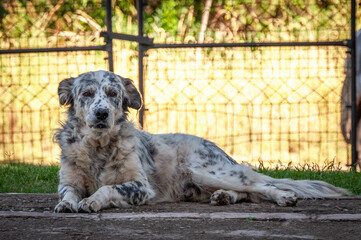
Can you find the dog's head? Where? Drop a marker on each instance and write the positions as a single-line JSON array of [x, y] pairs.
[[100, 99]]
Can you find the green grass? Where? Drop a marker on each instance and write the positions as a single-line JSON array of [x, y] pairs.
[[350, 180], [26, 178]]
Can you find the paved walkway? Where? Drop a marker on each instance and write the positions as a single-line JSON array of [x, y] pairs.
[[31, 216]]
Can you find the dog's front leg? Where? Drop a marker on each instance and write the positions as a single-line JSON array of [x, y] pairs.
[[70, 196], [130, 193]]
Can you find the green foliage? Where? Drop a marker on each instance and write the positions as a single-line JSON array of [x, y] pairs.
[[128, 8], [238, 20], [168, 13], [33, 18], [166, 16], [26, 178]]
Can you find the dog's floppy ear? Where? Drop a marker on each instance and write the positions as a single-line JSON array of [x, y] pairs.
[[132, 95], [64, 91]]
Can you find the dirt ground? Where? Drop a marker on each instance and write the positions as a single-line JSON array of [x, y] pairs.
[[31, 216]]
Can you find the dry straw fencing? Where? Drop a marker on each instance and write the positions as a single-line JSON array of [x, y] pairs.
[[271, 104]]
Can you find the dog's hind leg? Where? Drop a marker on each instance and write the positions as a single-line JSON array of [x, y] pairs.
[[225, 197], [240, 183], [266, 192]]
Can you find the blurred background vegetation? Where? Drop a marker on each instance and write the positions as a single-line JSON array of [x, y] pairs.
[[180, 21], [276, 104]]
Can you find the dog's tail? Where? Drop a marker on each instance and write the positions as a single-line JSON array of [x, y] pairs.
[[307, 188]]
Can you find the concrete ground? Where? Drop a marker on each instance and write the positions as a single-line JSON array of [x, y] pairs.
[[31, 216]]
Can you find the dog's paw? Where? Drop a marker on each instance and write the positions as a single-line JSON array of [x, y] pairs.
[[87, 206], [221, 197], [287, 199], [66, 207]]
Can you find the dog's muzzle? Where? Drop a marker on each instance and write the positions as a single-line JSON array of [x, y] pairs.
[[101, 119]]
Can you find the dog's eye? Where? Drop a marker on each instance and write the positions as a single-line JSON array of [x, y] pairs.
[[112, 94], [87, 94]]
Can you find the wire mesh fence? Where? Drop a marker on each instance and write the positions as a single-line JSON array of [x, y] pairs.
[[29, 105], [271, 104], [29, 108]]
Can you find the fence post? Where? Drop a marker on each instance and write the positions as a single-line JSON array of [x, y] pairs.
[[108, 38], [353, 86], [141, 51]]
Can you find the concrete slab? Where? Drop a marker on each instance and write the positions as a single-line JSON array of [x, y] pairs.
[[31, 216]]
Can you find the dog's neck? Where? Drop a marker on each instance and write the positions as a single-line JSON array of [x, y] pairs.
[[98, 138], [122, 129]]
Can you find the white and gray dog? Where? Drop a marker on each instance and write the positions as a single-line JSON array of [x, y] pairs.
[[107, 162]]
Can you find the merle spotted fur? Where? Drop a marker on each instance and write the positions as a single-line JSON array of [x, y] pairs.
[[107, 162]]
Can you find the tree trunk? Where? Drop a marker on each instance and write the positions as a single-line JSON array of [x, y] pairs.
[[204, 23]]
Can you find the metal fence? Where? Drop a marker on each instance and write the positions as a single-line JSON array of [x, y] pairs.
[[263, 81]]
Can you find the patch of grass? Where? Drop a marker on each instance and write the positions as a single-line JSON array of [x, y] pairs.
[[27, 178], [350, 180]]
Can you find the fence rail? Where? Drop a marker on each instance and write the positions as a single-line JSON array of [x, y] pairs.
[[272, 98]]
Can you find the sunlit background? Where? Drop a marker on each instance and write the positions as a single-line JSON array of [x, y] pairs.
[[270, 105]]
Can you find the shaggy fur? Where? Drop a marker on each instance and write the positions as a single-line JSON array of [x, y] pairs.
[[107, 162]]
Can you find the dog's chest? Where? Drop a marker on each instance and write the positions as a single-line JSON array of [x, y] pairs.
[[100, 168]]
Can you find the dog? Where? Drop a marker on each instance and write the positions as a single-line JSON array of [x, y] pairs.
[[107, 162]]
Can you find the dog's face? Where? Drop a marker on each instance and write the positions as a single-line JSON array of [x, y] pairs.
[[100, 98]]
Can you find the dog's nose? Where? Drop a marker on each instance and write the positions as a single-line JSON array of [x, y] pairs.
[[102, 114]]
